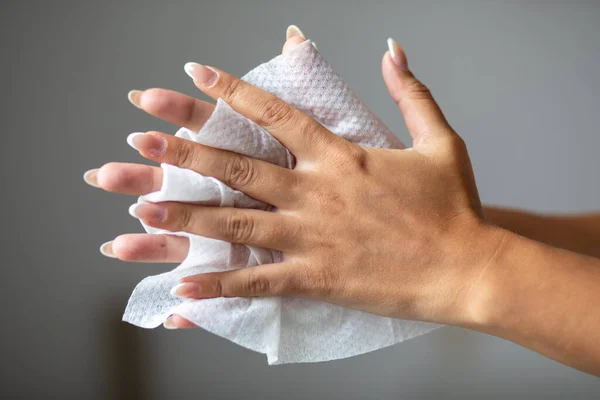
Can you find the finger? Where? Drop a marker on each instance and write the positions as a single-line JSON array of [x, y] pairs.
[[291, 43], [423, 116], [259, 179], [234, 225], [173, 107], [142, 247], [133, 179], [302, 135], [260, 281], [187, 111], [178, 322], [293, 37]]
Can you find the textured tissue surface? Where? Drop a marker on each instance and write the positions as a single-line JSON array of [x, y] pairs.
[[286, 329]]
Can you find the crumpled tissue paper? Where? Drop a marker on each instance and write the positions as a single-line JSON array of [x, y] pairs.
[[286, 329]]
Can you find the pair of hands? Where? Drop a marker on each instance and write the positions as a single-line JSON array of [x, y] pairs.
[[398, 233]]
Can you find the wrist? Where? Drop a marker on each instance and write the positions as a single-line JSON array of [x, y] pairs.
[[475, 286], [473, 249], [488, 290]]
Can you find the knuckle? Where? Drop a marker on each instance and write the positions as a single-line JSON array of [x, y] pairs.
[[276, 113], [189, 112], [456, 145], [184, 155], [459, 143], [357, 157], [351, 158], [257, 284], [184, 219], [218, 287], [239, 172], [239, 227], [418, 91], [231, 90], [320, 282]]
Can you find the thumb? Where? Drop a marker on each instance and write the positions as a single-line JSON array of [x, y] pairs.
[[424, 118]]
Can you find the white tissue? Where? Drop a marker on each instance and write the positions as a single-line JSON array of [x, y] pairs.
[[286, 329]]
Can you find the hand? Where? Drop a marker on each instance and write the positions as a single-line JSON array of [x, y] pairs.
[[392, 232]]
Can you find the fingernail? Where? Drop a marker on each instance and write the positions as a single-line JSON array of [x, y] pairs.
[[91, 177], [293, 31], [135, 97], [187, 290], [149, 212], [397, 54], [147, 143], [314, 45], [168, 324], [107, 250], [202, 74]]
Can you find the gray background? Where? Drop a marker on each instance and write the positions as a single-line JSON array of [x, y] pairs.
[[519, 81]]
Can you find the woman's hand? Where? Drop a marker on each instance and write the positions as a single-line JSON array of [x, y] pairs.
[[393, 232]]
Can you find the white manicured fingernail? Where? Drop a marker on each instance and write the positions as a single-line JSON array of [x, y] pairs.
[[173, 291], [293, 31], [151, 213], [314, 45], [132, 210], [148, 144], [133, 136], [135, 97], [106, 250], [189, 68], [186, 290], [168, 324], [395, 53], [91, 177], [201, 74]]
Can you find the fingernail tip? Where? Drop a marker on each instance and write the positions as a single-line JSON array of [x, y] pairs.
[[173, 291], [188, 67], [168, 324], [87, 177], [132, 210], [106, 249], [130, 138], [292, 31], [131, 97], [390, 43]]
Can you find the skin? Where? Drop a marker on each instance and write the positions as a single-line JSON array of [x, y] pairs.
[[406, 237]]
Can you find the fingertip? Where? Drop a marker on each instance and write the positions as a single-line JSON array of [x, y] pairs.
[[156, 101], [293, 31], [124, 247], [178, 322], [107, 177], [291, 43], [397, 55]]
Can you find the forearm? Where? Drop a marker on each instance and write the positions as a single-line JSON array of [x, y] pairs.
[[578, 233], [544, 298]]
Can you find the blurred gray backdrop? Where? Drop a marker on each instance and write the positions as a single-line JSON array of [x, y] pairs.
[[520, 82]]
